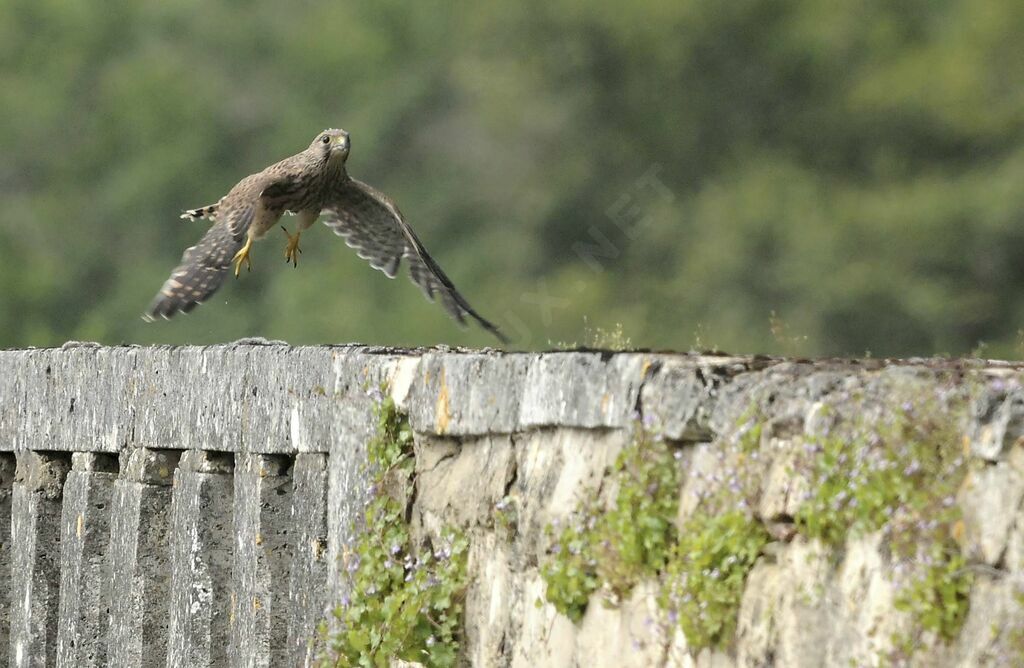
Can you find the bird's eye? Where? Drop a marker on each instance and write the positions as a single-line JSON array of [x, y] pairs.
[[325, 140]]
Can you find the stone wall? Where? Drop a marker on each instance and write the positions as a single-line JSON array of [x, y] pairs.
[[189, 506]]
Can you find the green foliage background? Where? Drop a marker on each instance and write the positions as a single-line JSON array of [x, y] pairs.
[[682, 167]]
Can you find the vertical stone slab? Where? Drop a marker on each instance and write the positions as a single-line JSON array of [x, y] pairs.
[[201, 541], [352, 426], [8, 467], [306, 591], [85, 531], [259, 596], [138, 557], [348, 493], [35, 568]]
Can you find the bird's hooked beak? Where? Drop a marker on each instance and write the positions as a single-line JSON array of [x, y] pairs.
[[341, 144]]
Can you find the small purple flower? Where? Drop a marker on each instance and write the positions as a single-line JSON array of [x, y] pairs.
[[375, 395], [395, 549], [345, 600], [353, 564], [673, 616], [636, 645], [648, 421]]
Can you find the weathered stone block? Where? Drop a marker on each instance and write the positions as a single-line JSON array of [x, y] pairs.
[[259, 591], [307, 598], [679, 393], [138, 558], [589, 390], [85, 578], [35, 558], [468, 395], [201, 609], [8, 466], [993, 485], [460, 484]]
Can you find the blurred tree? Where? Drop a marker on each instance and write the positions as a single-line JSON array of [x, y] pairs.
[[682, 167]]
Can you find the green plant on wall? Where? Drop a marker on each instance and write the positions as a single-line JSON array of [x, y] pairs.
[[405, 599], [617, 547], [898, 471], [892, 467], [719, 543], [704, 579], [701, 568]]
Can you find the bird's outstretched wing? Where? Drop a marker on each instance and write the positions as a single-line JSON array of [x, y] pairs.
[[203, 267], [200, 273], [371, 224]]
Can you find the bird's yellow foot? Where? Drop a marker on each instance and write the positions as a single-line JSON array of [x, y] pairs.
[[243, 256], [292, 250]]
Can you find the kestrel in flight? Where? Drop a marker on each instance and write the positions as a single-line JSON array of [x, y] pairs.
[[307, 184]]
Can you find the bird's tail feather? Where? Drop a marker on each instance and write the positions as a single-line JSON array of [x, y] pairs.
[[208, 211]]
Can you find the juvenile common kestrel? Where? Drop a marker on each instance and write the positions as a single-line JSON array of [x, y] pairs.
[[308, 184]]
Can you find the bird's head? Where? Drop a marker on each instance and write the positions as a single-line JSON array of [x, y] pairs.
[[332, 143]]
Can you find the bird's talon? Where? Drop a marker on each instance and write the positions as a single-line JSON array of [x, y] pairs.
[[291, 249], [243, 256]]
